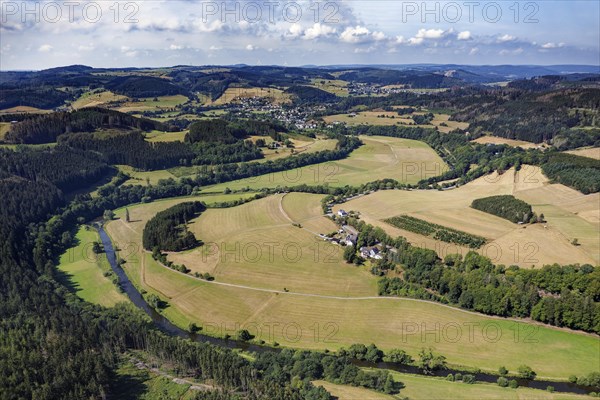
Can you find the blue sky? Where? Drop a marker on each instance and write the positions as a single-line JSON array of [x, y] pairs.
[[154, 33]]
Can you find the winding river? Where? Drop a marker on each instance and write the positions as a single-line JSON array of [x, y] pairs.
[[166, 326]]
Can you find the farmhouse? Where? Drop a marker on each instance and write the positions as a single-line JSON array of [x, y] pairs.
[[371, 252], [351, 239], [342, 213]]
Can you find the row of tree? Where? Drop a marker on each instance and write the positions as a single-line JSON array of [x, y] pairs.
[[167, 230]]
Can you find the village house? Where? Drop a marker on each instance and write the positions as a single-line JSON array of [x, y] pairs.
[[342, 213], [371, 252]]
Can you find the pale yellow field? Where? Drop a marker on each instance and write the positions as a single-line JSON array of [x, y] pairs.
[[523, 245], [96, 99], [24, 110], [322, 322], [375, 118], [233, 94], [510, 142], [591, 152], [380, 157], [256, 245], [438, 119]]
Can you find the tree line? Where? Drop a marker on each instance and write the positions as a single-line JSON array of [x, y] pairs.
[[438, 232], [507, 207], [167, 230]]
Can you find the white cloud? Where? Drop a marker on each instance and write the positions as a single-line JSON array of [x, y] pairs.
[[45, 48], [294, 31], [464, 35], [318, 30], [506, 38], [250, 47], [430, 33], [355, 35], [474, 51], [175, 47], [552, 45], [215, 48], [422, 34]]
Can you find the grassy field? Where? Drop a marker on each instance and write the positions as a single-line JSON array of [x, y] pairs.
[[233, 94], [591, 152], [158, 136], [90, 99], [149, 104], [418, 387], [501, 140], [24, 110], [256, 245], [132, 382], [143, 177], [4, 127], [381, 117], [335, 86], [569, 215], [83, 271], [308, 319], [380, 157]]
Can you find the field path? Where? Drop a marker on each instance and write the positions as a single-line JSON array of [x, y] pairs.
[[380, 298], [285, 214]]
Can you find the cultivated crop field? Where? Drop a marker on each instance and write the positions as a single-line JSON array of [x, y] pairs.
[[306, 317], [83, 271], [569, 215], [380, 157]]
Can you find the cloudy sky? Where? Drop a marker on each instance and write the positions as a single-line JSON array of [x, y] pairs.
[[107, 33]]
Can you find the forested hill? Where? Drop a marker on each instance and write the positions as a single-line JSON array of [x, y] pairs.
[[47, 127]]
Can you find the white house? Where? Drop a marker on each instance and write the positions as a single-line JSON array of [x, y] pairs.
[[342, 213]]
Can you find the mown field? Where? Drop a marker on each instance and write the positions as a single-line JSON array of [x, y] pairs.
[[380, 157], [380, 117], [418, 387], [309, 319], [83, 271], [233, 94], [256, 245], [92, 99], [161, 103], [501, 140], [4, 127], [335, 86], [569, 215], [591, 152]]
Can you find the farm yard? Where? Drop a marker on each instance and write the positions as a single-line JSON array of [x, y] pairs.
[[569, 215], [380, 157]]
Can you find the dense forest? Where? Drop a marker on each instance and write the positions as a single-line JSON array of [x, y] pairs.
[[507, 207], [167, 230], [581, 173], [143, 86], [47, 127], [44, 98], [219, 130]]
